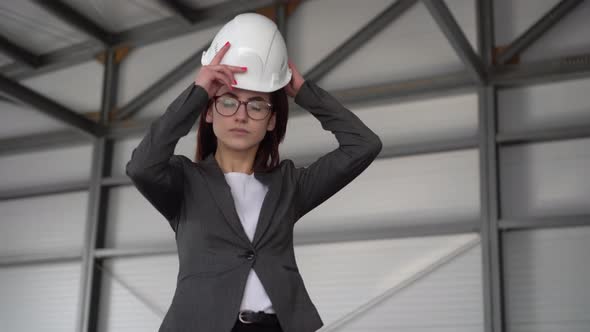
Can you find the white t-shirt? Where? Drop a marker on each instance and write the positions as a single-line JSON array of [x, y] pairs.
[[248, 194]]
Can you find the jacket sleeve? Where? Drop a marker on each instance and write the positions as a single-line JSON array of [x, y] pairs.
[[154, 169], [358, 147]]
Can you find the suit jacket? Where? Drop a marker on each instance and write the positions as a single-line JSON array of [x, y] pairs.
[[215, 254]]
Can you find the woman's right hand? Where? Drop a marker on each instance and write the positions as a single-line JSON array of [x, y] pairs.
[[214, 75]]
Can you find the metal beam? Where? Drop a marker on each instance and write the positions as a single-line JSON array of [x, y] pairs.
[[55, 60], [412, 89], [115, 181], [490, 210], [281, 12], [409, 229], [72, 17], [544, 222], [29, 97], [537, 30], [536, 136], [52, 189], [87, 319], [160, 86], [353, 43], [39, 142], [451, 29], [142, 35], [134, 252], [493, 294], [40, 258], [540, 72], [18, 53]]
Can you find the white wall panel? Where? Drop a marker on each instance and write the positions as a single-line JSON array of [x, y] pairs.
[[546, 279], [44, 224], [40, 297], [426, 189], [19, 120], [545, 179], [545, 106], [412, 122], [134, 223], [136, 293], [55, 166], [408, 277]]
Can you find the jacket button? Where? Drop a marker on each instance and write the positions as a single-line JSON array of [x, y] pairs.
[[250, 255]]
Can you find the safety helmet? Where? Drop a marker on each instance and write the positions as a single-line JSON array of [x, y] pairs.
[[256, 43]]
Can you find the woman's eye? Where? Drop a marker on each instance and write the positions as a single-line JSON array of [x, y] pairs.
[[256, 106], [229, 102]]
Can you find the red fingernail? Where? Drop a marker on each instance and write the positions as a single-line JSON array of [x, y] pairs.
[[244, 68], [235, 82], [226, 43]]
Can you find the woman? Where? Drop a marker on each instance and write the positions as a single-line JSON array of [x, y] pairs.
[[234, 209]]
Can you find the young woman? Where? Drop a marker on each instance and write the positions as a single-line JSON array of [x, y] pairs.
[[233, 210]]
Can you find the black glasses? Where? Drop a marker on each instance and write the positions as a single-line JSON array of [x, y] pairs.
[[228, 105]]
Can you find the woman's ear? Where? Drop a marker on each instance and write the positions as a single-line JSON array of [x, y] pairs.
[[209, 115], [272, 122]]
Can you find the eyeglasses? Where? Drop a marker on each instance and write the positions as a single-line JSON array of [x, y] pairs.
[[227, 105]]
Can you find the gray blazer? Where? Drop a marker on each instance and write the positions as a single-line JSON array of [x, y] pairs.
[[215, 254]]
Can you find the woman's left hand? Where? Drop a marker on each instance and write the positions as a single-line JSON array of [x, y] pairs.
[[296, 81]]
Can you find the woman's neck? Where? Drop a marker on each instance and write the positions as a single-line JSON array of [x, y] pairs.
[[235, 161]]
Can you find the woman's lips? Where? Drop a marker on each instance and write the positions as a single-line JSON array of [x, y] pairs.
[[239, 131]]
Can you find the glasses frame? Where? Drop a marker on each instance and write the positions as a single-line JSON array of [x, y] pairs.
[[240, 102]]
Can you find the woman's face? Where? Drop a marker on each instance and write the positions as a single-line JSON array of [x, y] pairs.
[[223, 125]]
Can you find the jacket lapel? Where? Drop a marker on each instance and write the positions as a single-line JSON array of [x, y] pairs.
[[222, 195]]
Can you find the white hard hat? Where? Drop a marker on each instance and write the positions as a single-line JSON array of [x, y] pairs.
[[256, 43]]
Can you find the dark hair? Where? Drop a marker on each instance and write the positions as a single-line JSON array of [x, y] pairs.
[[269, 146]]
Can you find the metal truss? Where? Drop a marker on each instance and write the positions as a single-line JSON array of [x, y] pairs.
[[481, 75]]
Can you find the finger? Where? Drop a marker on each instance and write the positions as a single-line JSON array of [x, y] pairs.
[[223, 79], [217, 58], [225, 72], [229, 74], [230, 67]]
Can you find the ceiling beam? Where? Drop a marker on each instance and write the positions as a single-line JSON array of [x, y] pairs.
[[356, 41], [26, 96], [537, 30], [451, 29], [18, 53], [540, 72], [43, 141]]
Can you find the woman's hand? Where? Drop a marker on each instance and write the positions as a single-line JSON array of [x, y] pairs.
[[296, 81], [214, 75]]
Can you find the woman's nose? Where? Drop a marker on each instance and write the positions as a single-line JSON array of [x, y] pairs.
[[242, 113]]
